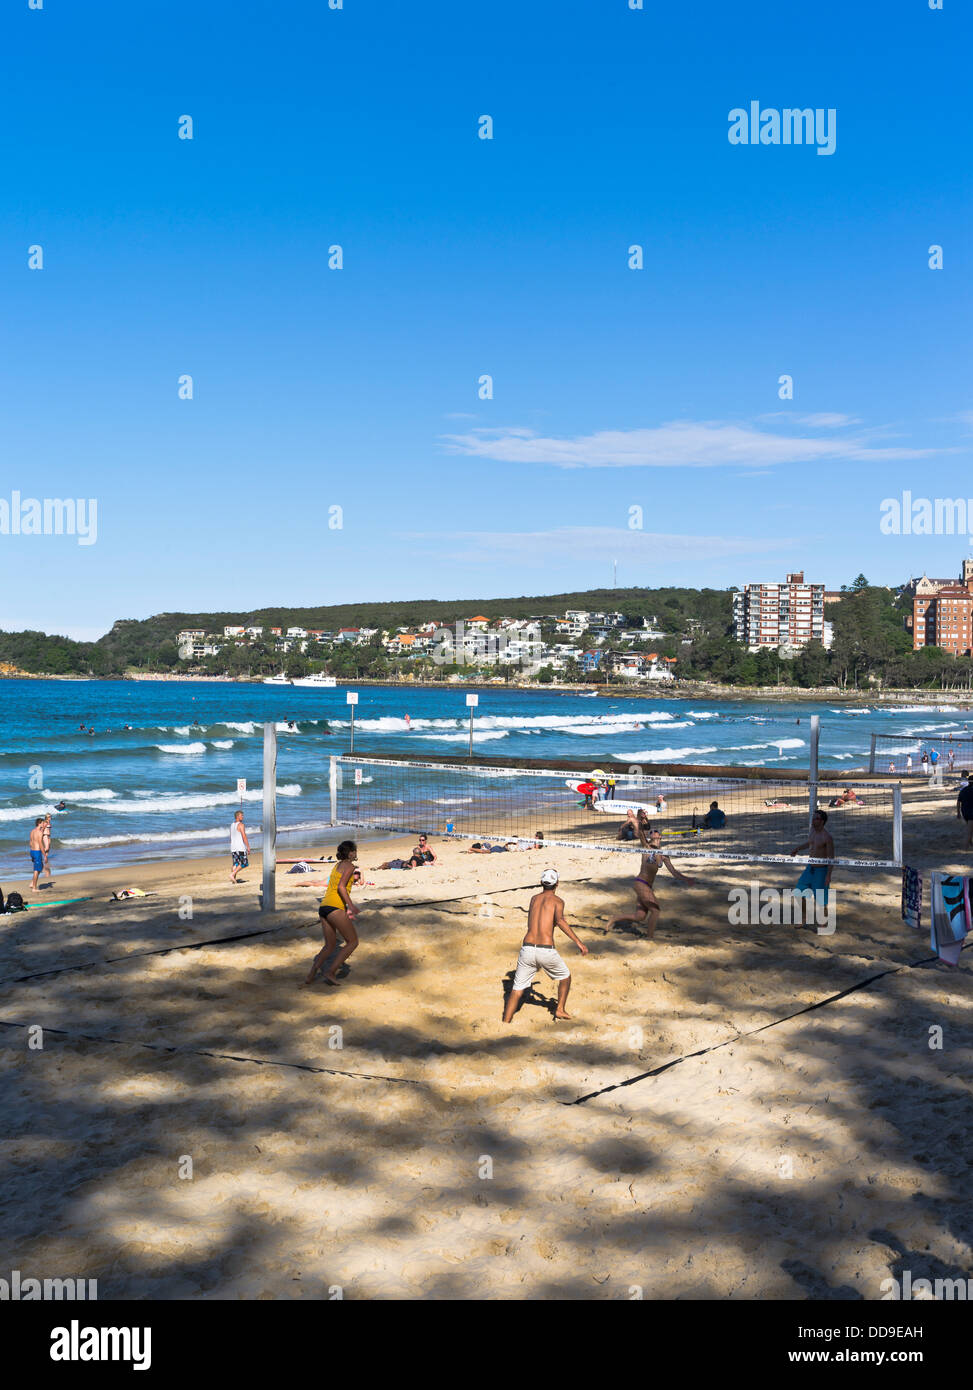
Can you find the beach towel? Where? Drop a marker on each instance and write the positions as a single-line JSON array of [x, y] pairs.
[[949, 917], [912, 898]]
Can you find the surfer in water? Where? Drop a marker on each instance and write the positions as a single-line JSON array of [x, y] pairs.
[[647, 913]]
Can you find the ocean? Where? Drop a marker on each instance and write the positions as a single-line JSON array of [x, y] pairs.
[[166, 786]]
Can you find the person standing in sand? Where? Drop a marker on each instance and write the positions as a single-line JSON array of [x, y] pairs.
[[46, 842], [816, 877], [648, 904], [36, 851], [239, 846], [336, 913], [544, 913]]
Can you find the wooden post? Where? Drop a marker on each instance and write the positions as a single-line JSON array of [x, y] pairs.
[[268, 898]]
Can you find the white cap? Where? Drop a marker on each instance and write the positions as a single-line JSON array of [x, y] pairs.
[[549, 878]]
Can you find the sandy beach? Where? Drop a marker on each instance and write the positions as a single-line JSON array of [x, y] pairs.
[[735, 1111]]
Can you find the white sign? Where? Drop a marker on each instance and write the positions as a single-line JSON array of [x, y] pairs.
[[358, 776], [241, 785], [472, 700], [352, 697]]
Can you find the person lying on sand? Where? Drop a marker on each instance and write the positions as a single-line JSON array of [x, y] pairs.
[[477, 848], [846, 798], [337, 912], [545, 912], [396, 864], [648, 910]]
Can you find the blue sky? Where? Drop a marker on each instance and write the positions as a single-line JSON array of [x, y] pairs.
[[357, 388]]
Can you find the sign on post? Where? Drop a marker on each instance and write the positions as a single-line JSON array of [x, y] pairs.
[[351, 698], [472, 701]]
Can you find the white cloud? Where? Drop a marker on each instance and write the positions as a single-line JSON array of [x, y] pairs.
[[678, 444], [582, 543], [827, 420]]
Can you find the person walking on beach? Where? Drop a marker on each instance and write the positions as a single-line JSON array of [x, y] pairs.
[[36, 851], [538, 952], [239, 847], [46, 842], [647, 913], [816, 877], [908, 762], [337, 913]]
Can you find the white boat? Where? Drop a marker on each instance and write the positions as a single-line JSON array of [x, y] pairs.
[[318, 682], [276, 680]]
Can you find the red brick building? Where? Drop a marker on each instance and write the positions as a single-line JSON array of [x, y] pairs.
[[944, 619]]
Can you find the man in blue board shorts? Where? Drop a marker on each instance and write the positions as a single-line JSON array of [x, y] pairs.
[[36, 851], [816, 877]]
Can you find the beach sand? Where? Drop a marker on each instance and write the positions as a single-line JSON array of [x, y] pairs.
[[195, 1124]]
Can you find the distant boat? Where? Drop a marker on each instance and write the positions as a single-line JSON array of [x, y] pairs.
[[318, 682], [276, 680]]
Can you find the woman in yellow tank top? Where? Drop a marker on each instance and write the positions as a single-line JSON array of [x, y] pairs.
[[336, 913]]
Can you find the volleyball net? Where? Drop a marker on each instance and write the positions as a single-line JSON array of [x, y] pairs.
[[753, 820], [942, 755]]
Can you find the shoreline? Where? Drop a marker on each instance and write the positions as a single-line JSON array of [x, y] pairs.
[[675, 690]]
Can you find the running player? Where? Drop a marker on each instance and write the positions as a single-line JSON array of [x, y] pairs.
[[816, 877], [653, 859], [337, 912], [545, 912]]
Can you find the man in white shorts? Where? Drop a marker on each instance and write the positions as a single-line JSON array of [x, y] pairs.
[[546, 911]]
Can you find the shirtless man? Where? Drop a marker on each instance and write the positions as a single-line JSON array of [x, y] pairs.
[[546, 911], [816, 877], [36, 851], [648, 904]]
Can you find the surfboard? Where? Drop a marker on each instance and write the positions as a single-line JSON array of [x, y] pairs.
[[57, 902], [622, 808]]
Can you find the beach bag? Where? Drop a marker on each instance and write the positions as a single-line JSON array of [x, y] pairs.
[[302, 868], [15, 903]]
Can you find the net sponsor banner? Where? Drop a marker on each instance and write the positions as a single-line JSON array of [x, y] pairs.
[[671, 851]]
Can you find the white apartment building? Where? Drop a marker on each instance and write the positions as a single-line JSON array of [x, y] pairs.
[[779, 615]]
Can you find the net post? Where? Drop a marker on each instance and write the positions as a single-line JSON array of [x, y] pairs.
[[268, 896], [897, 823], [871, 755], [812, 768], [333, 789]]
